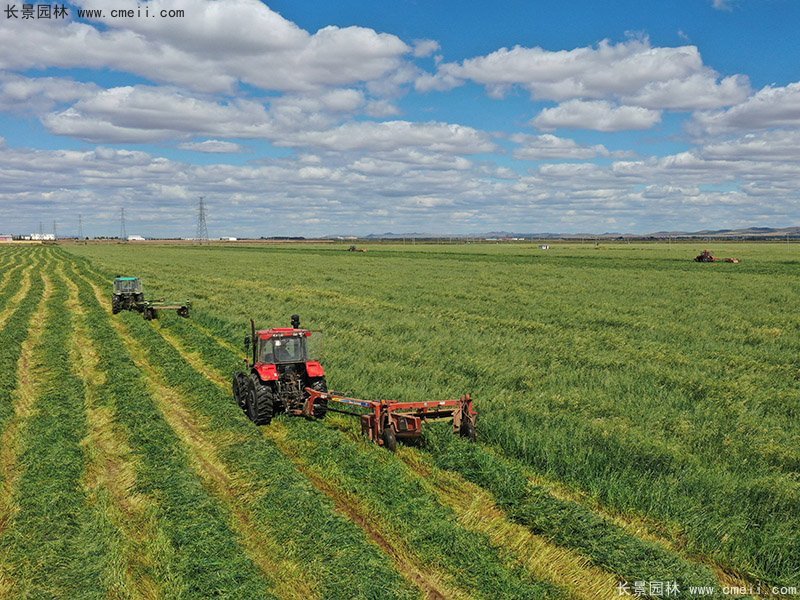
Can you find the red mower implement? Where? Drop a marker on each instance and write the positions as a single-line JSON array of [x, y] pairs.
[[283, 376]]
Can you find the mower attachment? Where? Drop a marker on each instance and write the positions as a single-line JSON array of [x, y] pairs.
[[387, 420]]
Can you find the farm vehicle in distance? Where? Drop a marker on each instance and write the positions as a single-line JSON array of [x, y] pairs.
[[282, 375], [706, 257], [129, 295]]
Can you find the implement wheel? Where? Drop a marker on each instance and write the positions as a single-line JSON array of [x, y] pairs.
[[150, 313], [183, 311], [467, 430], [389, 438], [260, 401]]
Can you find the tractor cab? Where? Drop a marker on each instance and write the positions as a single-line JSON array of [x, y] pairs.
[[281, 350], [281, 347], [283, 366], [127, 285]]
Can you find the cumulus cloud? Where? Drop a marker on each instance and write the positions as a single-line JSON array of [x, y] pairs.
[[629, 72], [425, 47], [391, 135], [271, 53], [769, 107], [212, 146], [550, 146], [39, 94], [597, 115]]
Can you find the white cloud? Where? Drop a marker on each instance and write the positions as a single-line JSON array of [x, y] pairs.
[[425, 47], [212, 146], [391, 135], [40, 94], [597, 115], [674, 78], [766, 146], [769, 107], [549, 146], [209, 50], [721, 4]]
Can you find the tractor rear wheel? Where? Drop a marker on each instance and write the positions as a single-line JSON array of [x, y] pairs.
[[321, 409], [389, 438], [260, 401]]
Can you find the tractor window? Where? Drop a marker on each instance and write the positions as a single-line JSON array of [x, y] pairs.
[[283, 350], [127, 286]]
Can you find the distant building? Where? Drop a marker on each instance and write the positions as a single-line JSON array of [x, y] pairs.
[[43, 237], [544, 246], [228, 239], [5, 239], [135, 238]]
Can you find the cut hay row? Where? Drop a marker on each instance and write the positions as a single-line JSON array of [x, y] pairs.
[[125, 518], [413, 553], [49, 544], [566, 523], [606, 373], [197, 553], [16, 293], [16, 391], [284, 519], [543, 560], [581, 529]]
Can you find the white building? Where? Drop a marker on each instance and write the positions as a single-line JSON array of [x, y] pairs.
[[43, 237], [135, 238]]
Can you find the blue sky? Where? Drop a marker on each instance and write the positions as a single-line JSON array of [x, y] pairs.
[[355, 117]]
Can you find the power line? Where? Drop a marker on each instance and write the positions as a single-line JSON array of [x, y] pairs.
[[202, 228]]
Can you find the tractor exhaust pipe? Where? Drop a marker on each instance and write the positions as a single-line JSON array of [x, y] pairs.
[[253, 334]]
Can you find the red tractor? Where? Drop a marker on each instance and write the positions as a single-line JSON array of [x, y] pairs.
[[284, 377], [280, 371]]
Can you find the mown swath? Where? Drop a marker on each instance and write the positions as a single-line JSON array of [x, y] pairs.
[[206, 442], [202, 556]]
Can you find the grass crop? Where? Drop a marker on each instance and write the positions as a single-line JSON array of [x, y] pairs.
[[202, 557], [651, 384], [292, 514]]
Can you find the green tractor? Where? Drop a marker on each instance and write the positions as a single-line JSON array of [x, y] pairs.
[[129, 295]]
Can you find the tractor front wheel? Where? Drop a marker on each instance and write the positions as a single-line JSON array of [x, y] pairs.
[[260, 401], [115, 305], [240, 384]]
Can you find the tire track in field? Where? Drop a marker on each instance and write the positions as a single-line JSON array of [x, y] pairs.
[[289, 578], [431, 583], [111, 467]]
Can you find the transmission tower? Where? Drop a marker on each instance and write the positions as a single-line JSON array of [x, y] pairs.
[[80, 227], [55, 233], [202, 228], [123, 233], [41, 230]]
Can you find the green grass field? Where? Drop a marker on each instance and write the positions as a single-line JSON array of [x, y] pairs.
[[638, 423]]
